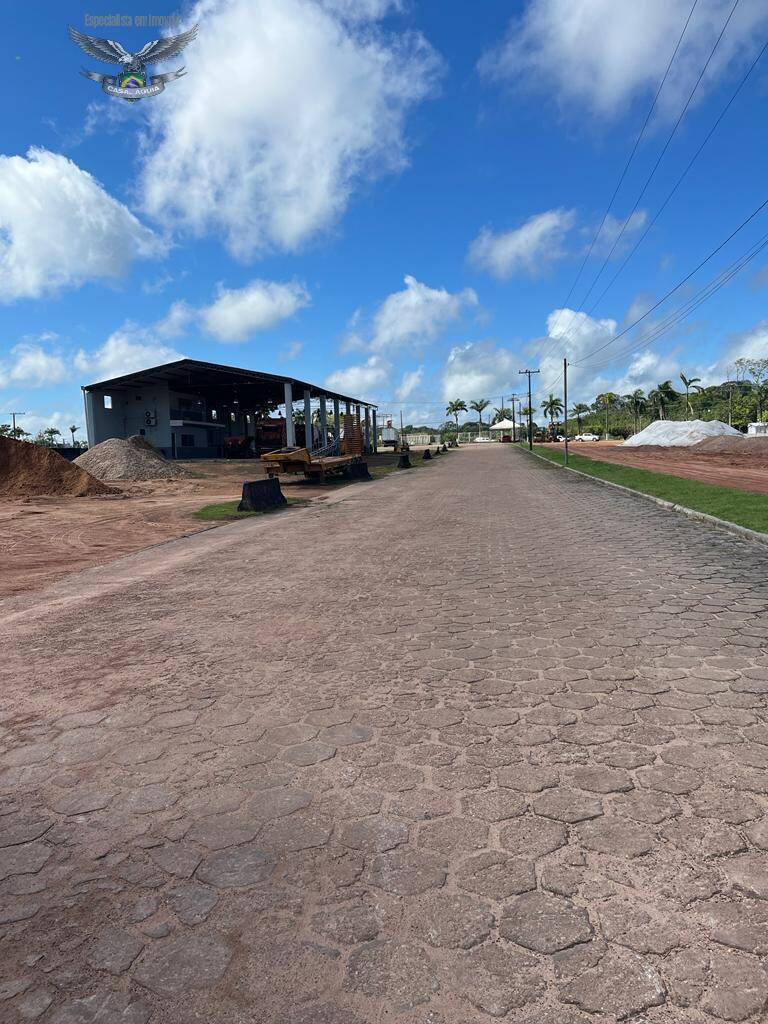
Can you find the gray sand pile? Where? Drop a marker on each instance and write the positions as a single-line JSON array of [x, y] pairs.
[[131, 458]]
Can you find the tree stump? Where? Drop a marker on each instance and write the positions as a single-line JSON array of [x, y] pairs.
[[357, 471], [404, 462], [427, 454], [260, 495]]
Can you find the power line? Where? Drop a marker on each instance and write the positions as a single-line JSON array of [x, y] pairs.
[[628, 161], [679, 285], [660, 157], [680, 180]]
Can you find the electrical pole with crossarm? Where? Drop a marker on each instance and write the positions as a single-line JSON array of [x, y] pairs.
[[530, 408]]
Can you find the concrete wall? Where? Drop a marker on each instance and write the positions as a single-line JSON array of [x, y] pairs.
[[133, 411]]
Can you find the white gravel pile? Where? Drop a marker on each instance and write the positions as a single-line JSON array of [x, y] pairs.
[[678, 433]]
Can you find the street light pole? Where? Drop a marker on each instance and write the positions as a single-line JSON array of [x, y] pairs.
[[530, 408]]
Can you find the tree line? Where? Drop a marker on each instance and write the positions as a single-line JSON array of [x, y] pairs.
[[50, 437]]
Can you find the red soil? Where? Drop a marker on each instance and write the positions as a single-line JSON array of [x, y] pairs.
[[30, 470]]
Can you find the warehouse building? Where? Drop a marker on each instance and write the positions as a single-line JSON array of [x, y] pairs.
[[190, 409]]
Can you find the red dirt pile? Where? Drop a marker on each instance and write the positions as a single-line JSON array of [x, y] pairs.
[[734, 445], [30, 470]]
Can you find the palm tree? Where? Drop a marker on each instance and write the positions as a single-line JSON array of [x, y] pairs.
[[606, 402], [662, 395], [578, 411], [552, 408], [478, 407], [502, 413], [455, 407], [636, 402], [688, 383], [73, 430]]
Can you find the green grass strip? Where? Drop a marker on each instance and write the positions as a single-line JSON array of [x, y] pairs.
[[226, 511], [745, 508]]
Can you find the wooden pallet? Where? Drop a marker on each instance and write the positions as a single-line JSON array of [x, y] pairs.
[[301, 461]]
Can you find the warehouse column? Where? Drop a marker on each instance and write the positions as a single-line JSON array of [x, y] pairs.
[[367, 431], [290, 426], [323, 422], [375, 433], [336, 424], [308, 420]]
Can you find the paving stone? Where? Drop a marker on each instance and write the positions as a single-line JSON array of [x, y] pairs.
[[734, 808], [15, 833], [400, 973], [278, 802], [214, 800], [453, 921], [496, 980], [17, 910], [528, 778], [192, 903], [648, 806], [26, 859], [373, 835], [301, 831], [104, 1008], [532, 837], [742, 925], [748, 874], [567, 805], [191, 962], [404, 872], [633, 927], [544, 923], [236, 867], [737, 987], [83, 801], [13, 987], [668, 779], [622, 981], [495, 805], [114, 950], [144, 907], [757, 833], [685, 974], [602, 780], [148, 799], [222, 831], [304, 754], [322, 1013], [448, 835], [349, 924], [176, 859], [346, 735], [616, 837], [34, 1003], [496, 875]]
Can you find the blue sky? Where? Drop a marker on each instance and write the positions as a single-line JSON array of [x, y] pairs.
[[393, 197]]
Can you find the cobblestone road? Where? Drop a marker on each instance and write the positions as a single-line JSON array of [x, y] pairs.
[[483, 741]]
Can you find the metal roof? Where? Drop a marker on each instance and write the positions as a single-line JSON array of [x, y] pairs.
[[195, 373]]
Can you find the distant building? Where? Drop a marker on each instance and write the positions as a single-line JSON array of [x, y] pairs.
[[194, 410]]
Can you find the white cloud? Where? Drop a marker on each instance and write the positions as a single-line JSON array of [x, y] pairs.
[[527, 249], [292, 351], [176, 320], [479, 370], [127, 349], [618, 232], [33, 422], [645, 371], [601, 54], [31, 364], [361, 381], [59, 228], [409, 383], [361, 10], [416, 315], [237, 313], [292, 108]]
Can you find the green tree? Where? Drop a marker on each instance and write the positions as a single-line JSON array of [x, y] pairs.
[[607, 401], [579, 410], [454, 408], [552, 407], [662, 396], [501, 413], [73, 430], [479, 406], [688, 383], [635, 402]]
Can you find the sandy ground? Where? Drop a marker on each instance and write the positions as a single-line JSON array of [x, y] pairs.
[[389, 759], [44, 539], [740, 471]]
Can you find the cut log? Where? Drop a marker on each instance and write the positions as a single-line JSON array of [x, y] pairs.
[[357, 471], [427, 454], [404, 462], [260, 495]]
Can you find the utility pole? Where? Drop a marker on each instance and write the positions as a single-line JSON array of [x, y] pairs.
[[565, 404], [513, 399], [13, 416], [530, 408]]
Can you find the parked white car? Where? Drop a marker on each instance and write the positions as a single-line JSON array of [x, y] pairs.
[[480, 438], [586, 437]]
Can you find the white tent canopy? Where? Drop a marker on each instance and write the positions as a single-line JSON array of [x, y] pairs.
[[503, 425]]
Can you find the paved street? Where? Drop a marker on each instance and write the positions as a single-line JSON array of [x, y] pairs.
[[483, 741]]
